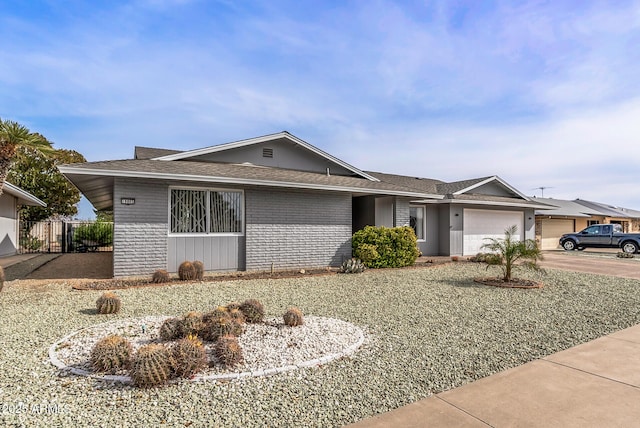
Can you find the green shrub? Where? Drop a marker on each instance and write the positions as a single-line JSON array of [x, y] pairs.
[[100, 233], [395, 246]]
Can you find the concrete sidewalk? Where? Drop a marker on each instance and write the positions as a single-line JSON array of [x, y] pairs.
[[596, 384]]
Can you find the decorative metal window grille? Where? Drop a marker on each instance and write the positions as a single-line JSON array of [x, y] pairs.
[[225, 212], [204, 211]]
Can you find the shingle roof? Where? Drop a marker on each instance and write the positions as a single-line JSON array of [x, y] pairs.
[[566, 208], [419, 184], [608, 210], [151, 152], [456, 186], [240, 173]]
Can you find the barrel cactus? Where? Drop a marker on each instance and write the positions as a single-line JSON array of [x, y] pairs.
[[110, 354], [352, 266], [198, 267], [170, 329], [216, 324], [293, 317], [253, 310], [160, 276], [228, 351], [189, 356], [231, 306], [191, 323], [152, 365], [108, 303], [186, 271]]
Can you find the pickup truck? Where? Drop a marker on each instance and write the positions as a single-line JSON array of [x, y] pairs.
[[603, 236]]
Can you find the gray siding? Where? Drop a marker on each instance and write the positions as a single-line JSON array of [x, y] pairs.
[[443, 233], [217, 253], [431, 246], [291, 229], [286, 154], [140, 230]]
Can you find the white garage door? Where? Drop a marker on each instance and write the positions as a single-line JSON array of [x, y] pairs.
[[481, 224], [551, 231]]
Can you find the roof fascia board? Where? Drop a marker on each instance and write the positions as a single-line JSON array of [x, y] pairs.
[[489, 180], [245, 181], [257, 140], [493, 203], [22, 194]]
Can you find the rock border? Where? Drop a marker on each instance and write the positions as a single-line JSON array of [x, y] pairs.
[[497, 282], [225, 377]]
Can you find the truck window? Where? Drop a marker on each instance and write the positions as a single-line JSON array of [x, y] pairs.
[[606, 230], [592, 230]]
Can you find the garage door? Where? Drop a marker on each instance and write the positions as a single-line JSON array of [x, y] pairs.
[[481, 224], [551, 230]]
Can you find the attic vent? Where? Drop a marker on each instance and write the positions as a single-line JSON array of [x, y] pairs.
[[267, 153]]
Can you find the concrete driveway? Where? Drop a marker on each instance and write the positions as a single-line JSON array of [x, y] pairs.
[[601, 262]]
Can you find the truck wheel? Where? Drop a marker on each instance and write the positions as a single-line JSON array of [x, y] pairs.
[[630, 247], [569, 245]]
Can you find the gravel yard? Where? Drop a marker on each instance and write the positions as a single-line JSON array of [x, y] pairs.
[[427, 330]]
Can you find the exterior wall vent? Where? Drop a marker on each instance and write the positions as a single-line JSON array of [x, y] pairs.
[[267, 153]]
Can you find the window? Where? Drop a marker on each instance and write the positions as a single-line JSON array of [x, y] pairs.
[[592, 222], [206, 211], [417, 221]]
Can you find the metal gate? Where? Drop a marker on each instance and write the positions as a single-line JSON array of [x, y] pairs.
[[65, 236]]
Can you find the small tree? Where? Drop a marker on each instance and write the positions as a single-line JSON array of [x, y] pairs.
[[509, 250]]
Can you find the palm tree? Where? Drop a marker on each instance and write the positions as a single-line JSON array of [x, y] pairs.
[[13, 135], [507, 251]]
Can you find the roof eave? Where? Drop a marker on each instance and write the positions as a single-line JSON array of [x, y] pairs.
[[24, 197], [240, 181]]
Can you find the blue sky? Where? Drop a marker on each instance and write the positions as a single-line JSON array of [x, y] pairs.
[[540, 93]]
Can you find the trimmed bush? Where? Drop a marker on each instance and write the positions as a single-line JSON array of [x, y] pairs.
[[394, 246], [101, 234]]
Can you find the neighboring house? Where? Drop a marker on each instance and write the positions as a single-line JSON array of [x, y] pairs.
[[278, 202], [12, 196], [573, 216]]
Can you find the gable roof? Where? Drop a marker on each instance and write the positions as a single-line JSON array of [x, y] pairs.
[[263, 139], [24, 197], [456, 192]]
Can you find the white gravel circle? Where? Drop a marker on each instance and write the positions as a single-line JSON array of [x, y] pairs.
[[269, 348]]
